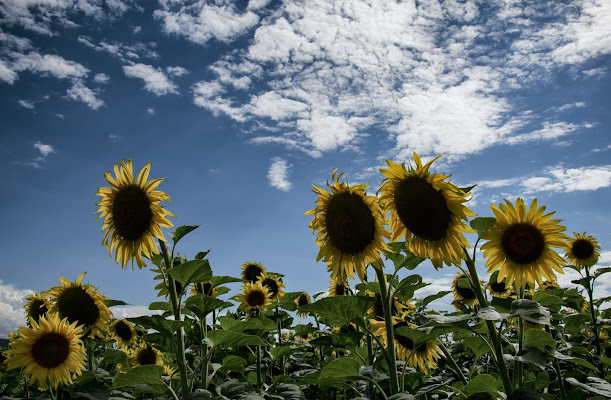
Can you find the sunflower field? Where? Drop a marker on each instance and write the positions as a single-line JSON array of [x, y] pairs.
[[515, 333]]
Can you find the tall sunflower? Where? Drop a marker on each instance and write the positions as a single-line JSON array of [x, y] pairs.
[[254, 296], [274, 286], [519, 244], [36, 307], [123, 332], [303, 300], [252, 271], [427, 211], [145, 355], [51, 351], [582, 250], [338, 288], [132, 215], [80, 303], [350, 227], [465, 295]]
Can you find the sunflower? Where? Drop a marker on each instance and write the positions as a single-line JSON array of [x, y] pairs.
[[582, 250], [398, 308], [123, 332], [146, 355], [252, 271], [133, 216], [350, 227], [547, 285], [208, 290], [254, 296], [498, 289], [425, 355], [427, 211], [465, 295], [519, 244], [162, 287], [169, 371], [274, 286], [303, 300], [338, 288], [51, 351], [36, 307], [80, 303]]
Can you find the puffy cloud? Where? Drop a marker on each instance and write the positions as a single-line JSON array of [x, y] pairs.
[[45, 149], [123, 52], [101, 78], [278, 174], [49, 64], [12, 315], [176, 71], [155, 80], [6, 74], [80, 92], [26, 104]]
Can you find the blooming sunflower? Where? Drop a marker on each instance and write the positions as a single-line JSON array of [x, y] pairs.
[[36, 307], [350, 227], [123, 332], [252, 271], [80, 303], [547, 285], [519, 244], [498, 289], [463, 294], [427, 211], [255, 296], [303, 300], [582, 250], [208, 290], [133, 216], [146, 355], [51, 351], [274, 286], [425, 355], [338, 288], [376, 312]]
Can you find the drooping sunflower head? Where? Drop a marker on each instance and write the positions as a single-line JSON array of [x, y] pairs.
[[462, 290], [123, 332], [427, 211], [274, 286], [51, 350], [350, 227], [548, 285], [498, 289], [208, 290], [338, 288], [81, 303], [132, 215], [582, 250], [303, 300], [520, 244], [36, 307], [255, 296], [252, 271], [146, 355]]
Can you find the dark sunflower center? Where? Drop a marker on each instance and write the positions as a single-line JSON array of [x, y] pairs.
[[465, 293], [302, 301], [131, 212], [582, 249], [76, 304], [37, 309], [123, 331], [255, 298], [252, 272], [422, 209], [498, 287], [147, 356], [350, 225], [51, 350], [272, 285], [347, 329], [523, 243], [378, 307], [207, 288], [340, 290]]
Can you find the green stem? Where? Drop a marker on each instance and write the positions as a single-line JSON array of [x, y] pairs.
[[452, 362], [180, 339], [558, 371], [498, 350], [386, 299], [52, 394], [370, 362], [204, 350], [590, 290], [520, 365], [375, 384], [259, 381]]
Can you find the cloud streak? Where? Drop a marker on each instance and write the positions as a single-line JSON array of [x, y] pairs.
[[278, 174]]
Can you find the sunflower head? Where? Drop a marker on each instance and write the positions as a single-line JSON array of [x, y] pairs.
[[123, 332], [548, 285], [132, 215], [303, 300], [80, 303], [274, 286], [37, 305], [252, 271], [427, 211], [582, 250], [338, 288], [350, 227], [255, 296], [520, 242], [498, 289], [146, 355], [208, 290], [51, 350], [462, 290]]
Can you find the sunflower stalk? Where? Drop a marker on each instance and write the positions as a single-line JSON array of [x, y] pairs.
[[390, 335], [558, 372], [520, 366], [590, 290], [453, 364], [180, 339], [204, 351]]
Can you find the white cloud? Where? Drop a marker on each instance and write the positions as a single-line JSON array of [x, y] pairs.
[[80, 92], [101, 78], [278, 174], [176, 71], [204, 20], [602, 149], [155, 80], [114, 138], [45, 149], [132, 311], [49, 64], [123, 52], [26, 104], [12, 315], [150, 111], [595, 72], [549, 131], [6, 74]]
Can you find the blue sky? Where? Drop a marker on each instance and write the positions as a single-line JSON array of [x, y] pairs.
[[242, 105]]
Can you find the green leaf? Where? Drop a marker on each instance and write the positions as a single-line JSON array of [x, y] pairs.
[[202, 305], [546, 299], [259, 323], [575, 360], [531, 311], [280, 351], [112, 303], [491, 314], [289, 391], [234, 363], [538, 339], [501, 304], [112, 356], [230, 339], [482, 383], [583, 281], [408, 286], [434, 297], [339, 340], [534, 356], [409, 260], [199, 394], [233, 389], [201, 255], [181, 231], [525, 393], [464, 283], [477, 345], [338, 372], [141, 375], [341, 310], [593, 385], [601, 271], [402, 396], [160, 305], [467, 189], [159, 323], [482, 224], [221, 280], [288, 301], [191, 271]]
